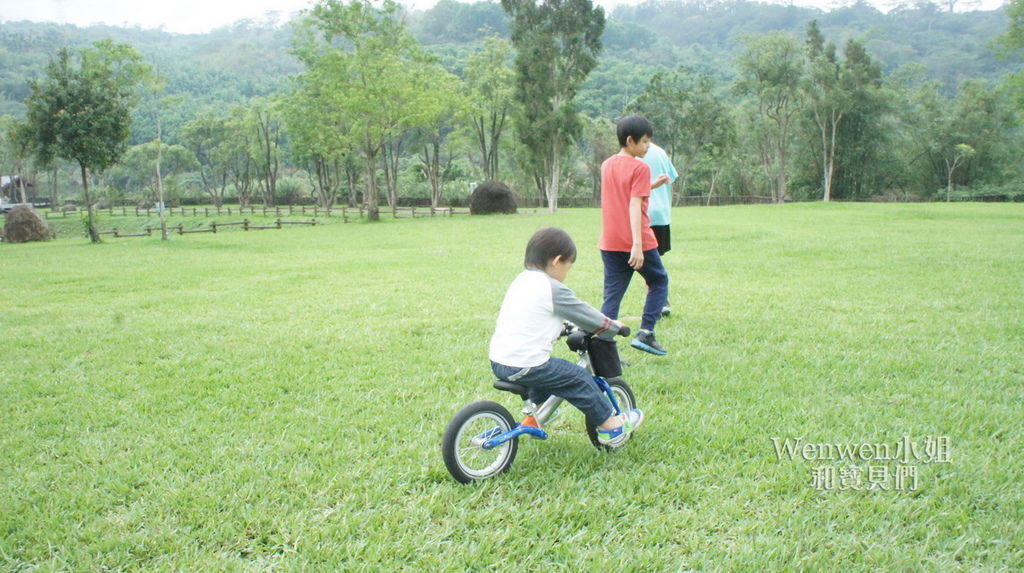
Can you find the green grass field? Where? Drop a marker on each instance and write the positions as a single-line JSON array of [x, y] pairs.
[[274, 400]]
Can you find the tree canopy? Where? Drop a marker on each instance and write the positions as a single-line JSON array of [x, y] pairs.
[[82, 109]]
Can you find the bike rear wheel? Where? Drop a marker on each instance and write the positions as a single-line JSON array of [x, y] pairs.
[[624, 396], [462, 445]]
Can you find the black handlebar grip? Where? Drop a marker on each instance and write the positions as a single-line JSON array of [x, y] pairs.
[[624, 331]]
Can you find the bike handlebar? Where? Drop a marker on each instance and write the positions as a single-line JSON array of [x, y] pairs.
[[570, 327]]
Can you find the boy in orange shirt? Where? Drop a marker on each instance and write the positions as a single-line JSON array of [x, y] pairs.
[[627, 243]]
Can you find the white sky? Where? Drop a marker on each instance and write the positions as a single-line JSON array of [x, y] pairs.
[[197, 16]]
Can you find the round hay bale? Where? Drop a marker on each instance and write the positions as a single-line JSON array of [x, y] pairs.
[[492, 197], [23, 225]]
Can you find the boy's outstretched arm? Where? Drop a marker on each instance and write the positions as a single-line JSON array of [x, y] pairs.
[[568, 307]]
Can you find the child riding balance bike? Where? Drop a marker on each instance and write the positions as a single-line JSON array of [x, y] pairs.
[[481, 441]]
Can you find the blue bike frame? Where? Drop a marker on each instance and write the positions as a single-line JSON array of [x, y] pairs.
[[491, 441]]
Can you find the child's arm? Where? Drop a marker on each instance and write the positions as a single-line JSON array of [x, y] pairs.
[[568, 307], [636, 254], [661, 180]]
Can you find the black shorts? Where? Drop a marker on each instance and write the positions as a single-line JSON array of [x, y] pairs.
[[664, 235]]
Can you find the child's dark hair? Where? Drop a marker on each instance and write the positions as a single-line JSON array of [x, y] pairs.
[[635, 126], [546, 244]]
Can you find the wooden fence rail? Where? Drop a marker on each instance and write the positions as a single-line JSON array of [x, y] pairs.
[[246, 225], [280, 211]]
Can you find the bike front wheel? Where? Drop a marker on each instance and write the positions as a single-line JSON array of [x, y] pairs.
[[624, 396], [462, 445]]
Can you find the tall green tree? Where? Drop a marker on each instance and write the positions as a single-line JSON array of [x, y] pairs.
[[373, 74], [143, 168], [771, 68], [204, 135], [827, 98], [834, 89], [433, 138], [236, 153], [863, 143], [941, 129], [557, 43], [1012, 44], [489, 82], [15, 155], [691, 121], [81, 110], [319, 124], [268, 140]]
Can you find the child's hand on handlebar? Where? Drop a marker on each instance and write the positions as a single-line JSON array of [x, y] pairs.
[[620, 329]]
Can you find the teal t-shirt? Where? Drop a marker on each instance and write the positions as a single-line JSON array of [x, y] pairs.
[[659, 208]]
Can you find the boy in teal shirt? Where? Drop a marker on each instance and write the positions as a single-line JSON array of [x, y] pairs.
[[659, 207]]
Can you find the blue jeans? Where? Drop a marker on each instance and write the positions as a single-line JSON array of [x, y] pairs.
[[618, 273], [563, 379]]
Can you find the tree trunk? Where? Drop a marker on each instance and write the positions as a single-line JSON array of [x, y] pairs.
[[554, 176], [372, 211], [54, 196], [94, 234], [782, 169]]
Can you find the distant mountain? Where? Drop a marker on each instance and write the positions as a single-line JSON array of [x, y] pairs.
[[232, 64]]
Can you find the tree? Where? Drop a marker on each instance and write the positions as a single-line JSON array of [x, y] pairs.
[[204, 136], [772, 68], [81, 110], [827, 98], [444, 105], [319, 128], [557, 43], [960, 153], [268, 140], [834, 90], [15, 154], [1011, 43], [691, 121], [489, 79], [373, 75], [148, 167], [236, 153], [978, 117]]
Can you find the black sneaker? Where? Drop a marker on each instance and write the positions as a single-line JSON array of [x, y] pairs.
[[645, 341], [666, 311]]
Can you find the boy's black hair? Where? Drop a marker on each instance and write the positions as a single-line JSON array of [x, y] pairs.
[[635, 126], [545, 245]]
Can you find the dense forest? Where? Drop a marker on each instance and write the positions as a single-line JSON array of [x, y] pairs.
[[858, 104]]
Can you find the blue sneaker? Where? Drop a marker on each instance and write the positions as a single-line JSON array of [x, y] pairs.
[[631, 420], [645, 341]]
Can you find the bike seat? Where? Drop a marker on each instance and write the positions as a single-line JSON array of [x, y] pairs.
[[522, 391]]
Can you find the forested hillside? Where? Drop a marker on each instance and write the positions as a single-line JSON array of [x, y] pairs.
[[231, 65], [925, 56]]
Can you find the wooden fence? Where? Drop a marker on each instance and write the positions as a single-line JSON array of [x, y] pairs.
[[245, 224], [279, 211]]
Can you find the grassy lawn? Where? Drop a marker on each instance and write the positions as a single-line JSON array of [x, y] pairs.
[[274, 400]]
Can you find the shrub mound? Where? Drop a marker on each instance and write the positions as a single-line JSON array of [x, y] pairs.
[[492, 197], [23, 225]]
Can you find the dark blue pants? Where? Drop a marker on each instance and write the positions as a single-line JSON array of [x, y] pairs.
[[563, 379], [618, 273]]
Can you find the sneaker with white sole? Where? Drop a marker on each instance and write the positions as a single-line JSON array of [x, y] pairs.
[[615, 438]]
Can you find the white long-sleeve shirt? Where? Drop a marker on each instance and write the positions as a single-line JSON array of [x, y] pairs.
[[531, 318]]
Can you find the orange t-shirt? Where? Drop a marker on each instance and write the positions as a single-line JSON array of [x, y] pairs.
[[622, 178]]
